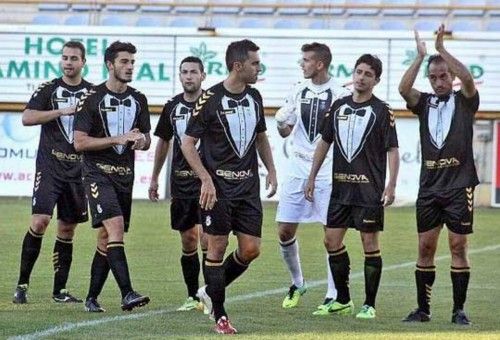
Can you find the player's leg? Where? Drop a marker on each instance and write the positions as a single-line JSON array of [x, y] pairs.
[[370, 222], [429, 225], [292, 209], [184, 218], [459, 220], [340, 267], [71, 210], [43, 203], [98, 272], [190, 264], [62, 257], [460, 275], [204, 247], [372, 271], [289, 248]]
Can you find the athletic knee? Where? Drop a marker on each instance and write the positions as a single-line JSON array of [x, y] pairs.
[[66, 231], [189, 240], [249, 253], [426, 250], [458, 249], [40, 223], [285, 234]]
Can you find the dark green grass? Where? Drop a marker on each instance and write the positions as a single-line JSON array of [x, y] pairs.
[[153, 251]]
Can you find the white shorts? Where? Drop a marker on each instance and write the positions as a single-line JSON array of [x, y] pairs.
[[293, 206]]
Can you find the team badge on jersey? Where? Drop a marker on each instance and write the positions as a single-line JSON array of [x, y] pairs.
[[118, 116], [63, 98], [239, 118], [352, 129], [312, 110], [180, 120]]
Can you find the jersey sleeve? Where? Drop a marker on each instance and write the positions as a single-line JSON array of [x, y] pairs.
[[144, 123], [198, 123], [261, 124], [421, 105], [40, 99], [327, 133], [164, 128], [390, 134], [83, 115], [472, 103]]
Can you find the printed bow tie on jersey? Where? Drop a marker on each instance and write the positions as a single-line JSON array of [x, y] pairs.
[[358, 112], [116, 102]]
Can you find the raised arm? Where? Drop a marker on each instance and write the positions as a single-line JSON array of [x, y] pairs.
[[264, 150], [318, 159], [161, 152], [208, 195], [456, 67], [35, 117], [409, 94]]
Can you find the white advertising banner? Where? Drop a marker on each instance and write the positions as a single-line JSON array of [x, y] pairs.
[[30, 56], [18, 149]]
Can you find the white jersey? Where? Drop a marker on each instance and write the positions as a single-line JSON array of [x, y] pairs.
[[306, 106]]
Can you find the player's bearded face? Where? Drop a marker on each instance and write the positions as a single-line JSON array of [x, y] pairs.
[[440, 78], [251, 68], [71, 62], [364, 78], [123, 67], [191, 77]]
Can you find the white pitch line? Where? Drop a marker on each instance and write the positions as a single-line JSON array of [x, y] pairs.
[[66, 327]]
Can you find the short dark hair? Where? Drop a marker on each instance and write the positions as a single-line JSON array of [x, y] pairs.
[[435, 58], [76, 44], [192, 59], [238, 51], [118, 46], [373, 61], [321, 51]]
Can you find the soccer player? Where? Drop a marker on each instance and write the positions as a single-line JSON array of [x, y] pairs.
[[228, 119], [363, 131], [111, 122], [58, 179], [301, 118], [447, 175], [184, 183]]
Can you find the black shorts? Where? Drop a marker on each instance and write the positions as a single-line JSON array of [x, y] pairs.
[[452, 207], [68, 196], [184, 213], [106, 202], [243, 216], [365, 219]]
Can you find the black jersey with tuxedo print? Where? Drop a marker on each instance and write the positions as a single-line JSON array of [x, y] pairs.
[[56, 153], [184, 183], [103, 113], [362, 133], [227, 125], [446, 131]]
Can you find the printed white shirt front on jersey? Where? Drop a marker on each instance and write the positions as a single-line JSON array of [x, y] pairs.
[[180, 120], [63, 98], [118, 116], [241, 117], [309, 102], [352, 128], [440, 118]]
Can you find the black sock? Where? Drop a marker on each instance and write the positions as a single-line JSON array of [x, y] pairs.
[[119, 266], [61, 258], [216, 288], [190, 264], [234, 267], [340, 267], [98, 273], [29, 253], [204, 258], [424, 277], [373, 272], [460, 282]]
